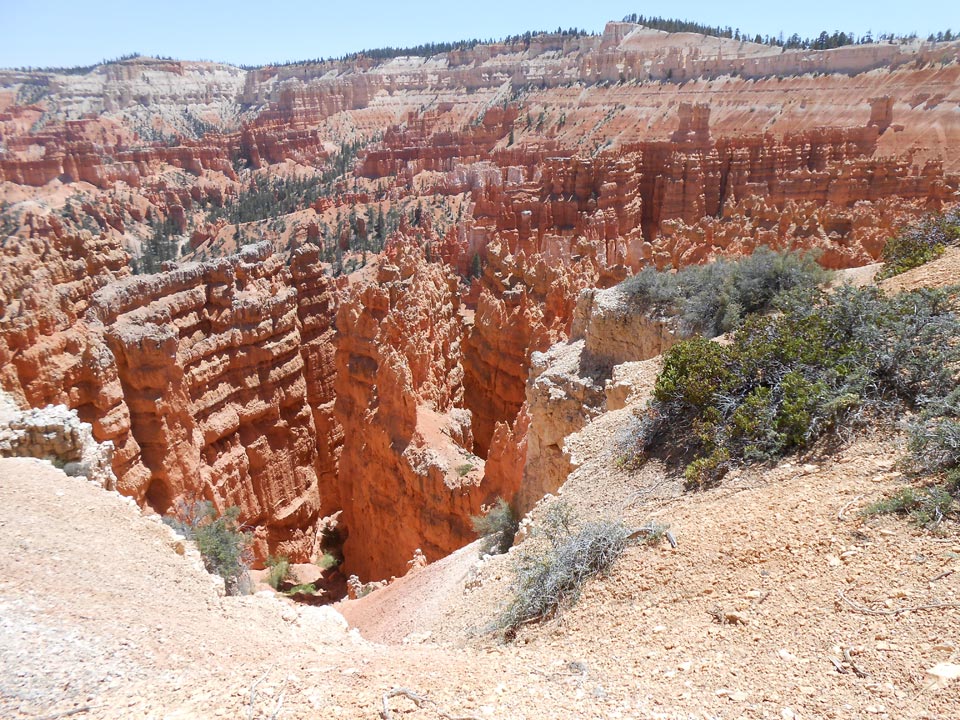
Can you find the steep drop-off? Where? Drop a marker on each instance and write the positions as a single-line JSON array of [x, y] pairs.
[[408, 476], [503, 179]]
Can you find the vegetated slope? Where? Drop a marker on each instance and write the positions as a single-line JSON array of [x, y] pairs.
[[941, 272], [775, 576], [516, 174]]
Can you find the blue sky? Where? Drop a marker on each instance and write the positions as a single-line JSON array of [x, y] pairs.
[[78, 32]]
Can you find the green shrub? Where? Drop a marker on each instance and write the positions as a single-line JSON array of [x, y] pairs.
[[497, 526], [707, 471], [927, 507], [224, 548], [220, 540], [935, 435], [546, 580], [801, 399], [904, 253], [826, 364], [935, 443], [921, 243], [328, 560], [712, 299], [693, 373], [278, 569]]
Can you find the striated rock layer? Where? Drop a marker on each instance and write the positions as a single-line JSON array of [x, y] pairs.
[[408, 477], [49, 355], [209, 358], [509, 177], [199, 376]]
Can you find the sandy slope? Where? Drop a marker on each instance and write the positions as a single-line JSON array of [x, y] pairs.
[[99, 615], [98, 611], [772, 548]]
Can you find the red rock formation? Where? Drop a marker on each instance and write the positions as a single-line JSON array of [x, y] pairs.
[[317, 301], [198, 376], [407, 477], [507, 456], [420, 145], [525, 304], [222, 379], [48, 353], [70, 157], [497, 359], [212, 369]]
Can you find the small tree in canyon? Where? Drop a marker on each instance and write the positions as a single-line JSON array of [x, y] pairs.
[[222, 543]]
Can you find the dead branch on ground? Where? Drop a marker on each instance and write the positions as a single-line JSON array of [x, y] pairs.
[[419, 701], [847, 507], [252, 704], [653, 530], [853, 666], [896, 611]]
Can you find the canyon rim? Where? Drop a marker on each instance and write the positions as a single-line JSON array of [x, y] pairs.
[[361, 299]]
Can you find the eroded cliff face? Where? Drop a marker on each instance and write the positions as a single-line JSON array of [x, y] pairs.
[[408, 476], [199, 376], [517, 175], [574, 381], [211, 363], [317, 302], [48, 353]]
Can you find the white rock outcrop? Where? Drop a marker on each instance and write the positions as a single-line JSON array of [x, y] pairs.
[[55, 433]]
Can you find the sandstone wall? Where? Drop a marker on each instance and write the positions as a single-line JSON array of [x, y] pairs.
[[199, 376], [408, 477], [212, 367], [48, 353], [574, 381]]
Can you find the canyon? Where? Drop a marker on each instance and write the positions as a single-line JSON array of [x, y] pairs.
[[370, 398]]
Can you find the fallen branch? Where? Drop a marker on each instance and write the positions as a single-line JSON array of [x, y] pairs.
[[839, 666], [852, 664], [847, 507], [68, 713], [652, 531], [941, 576], [573, 669], [419, 701], [279, 706], [895, 611], [727, 617], [252, 706]]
